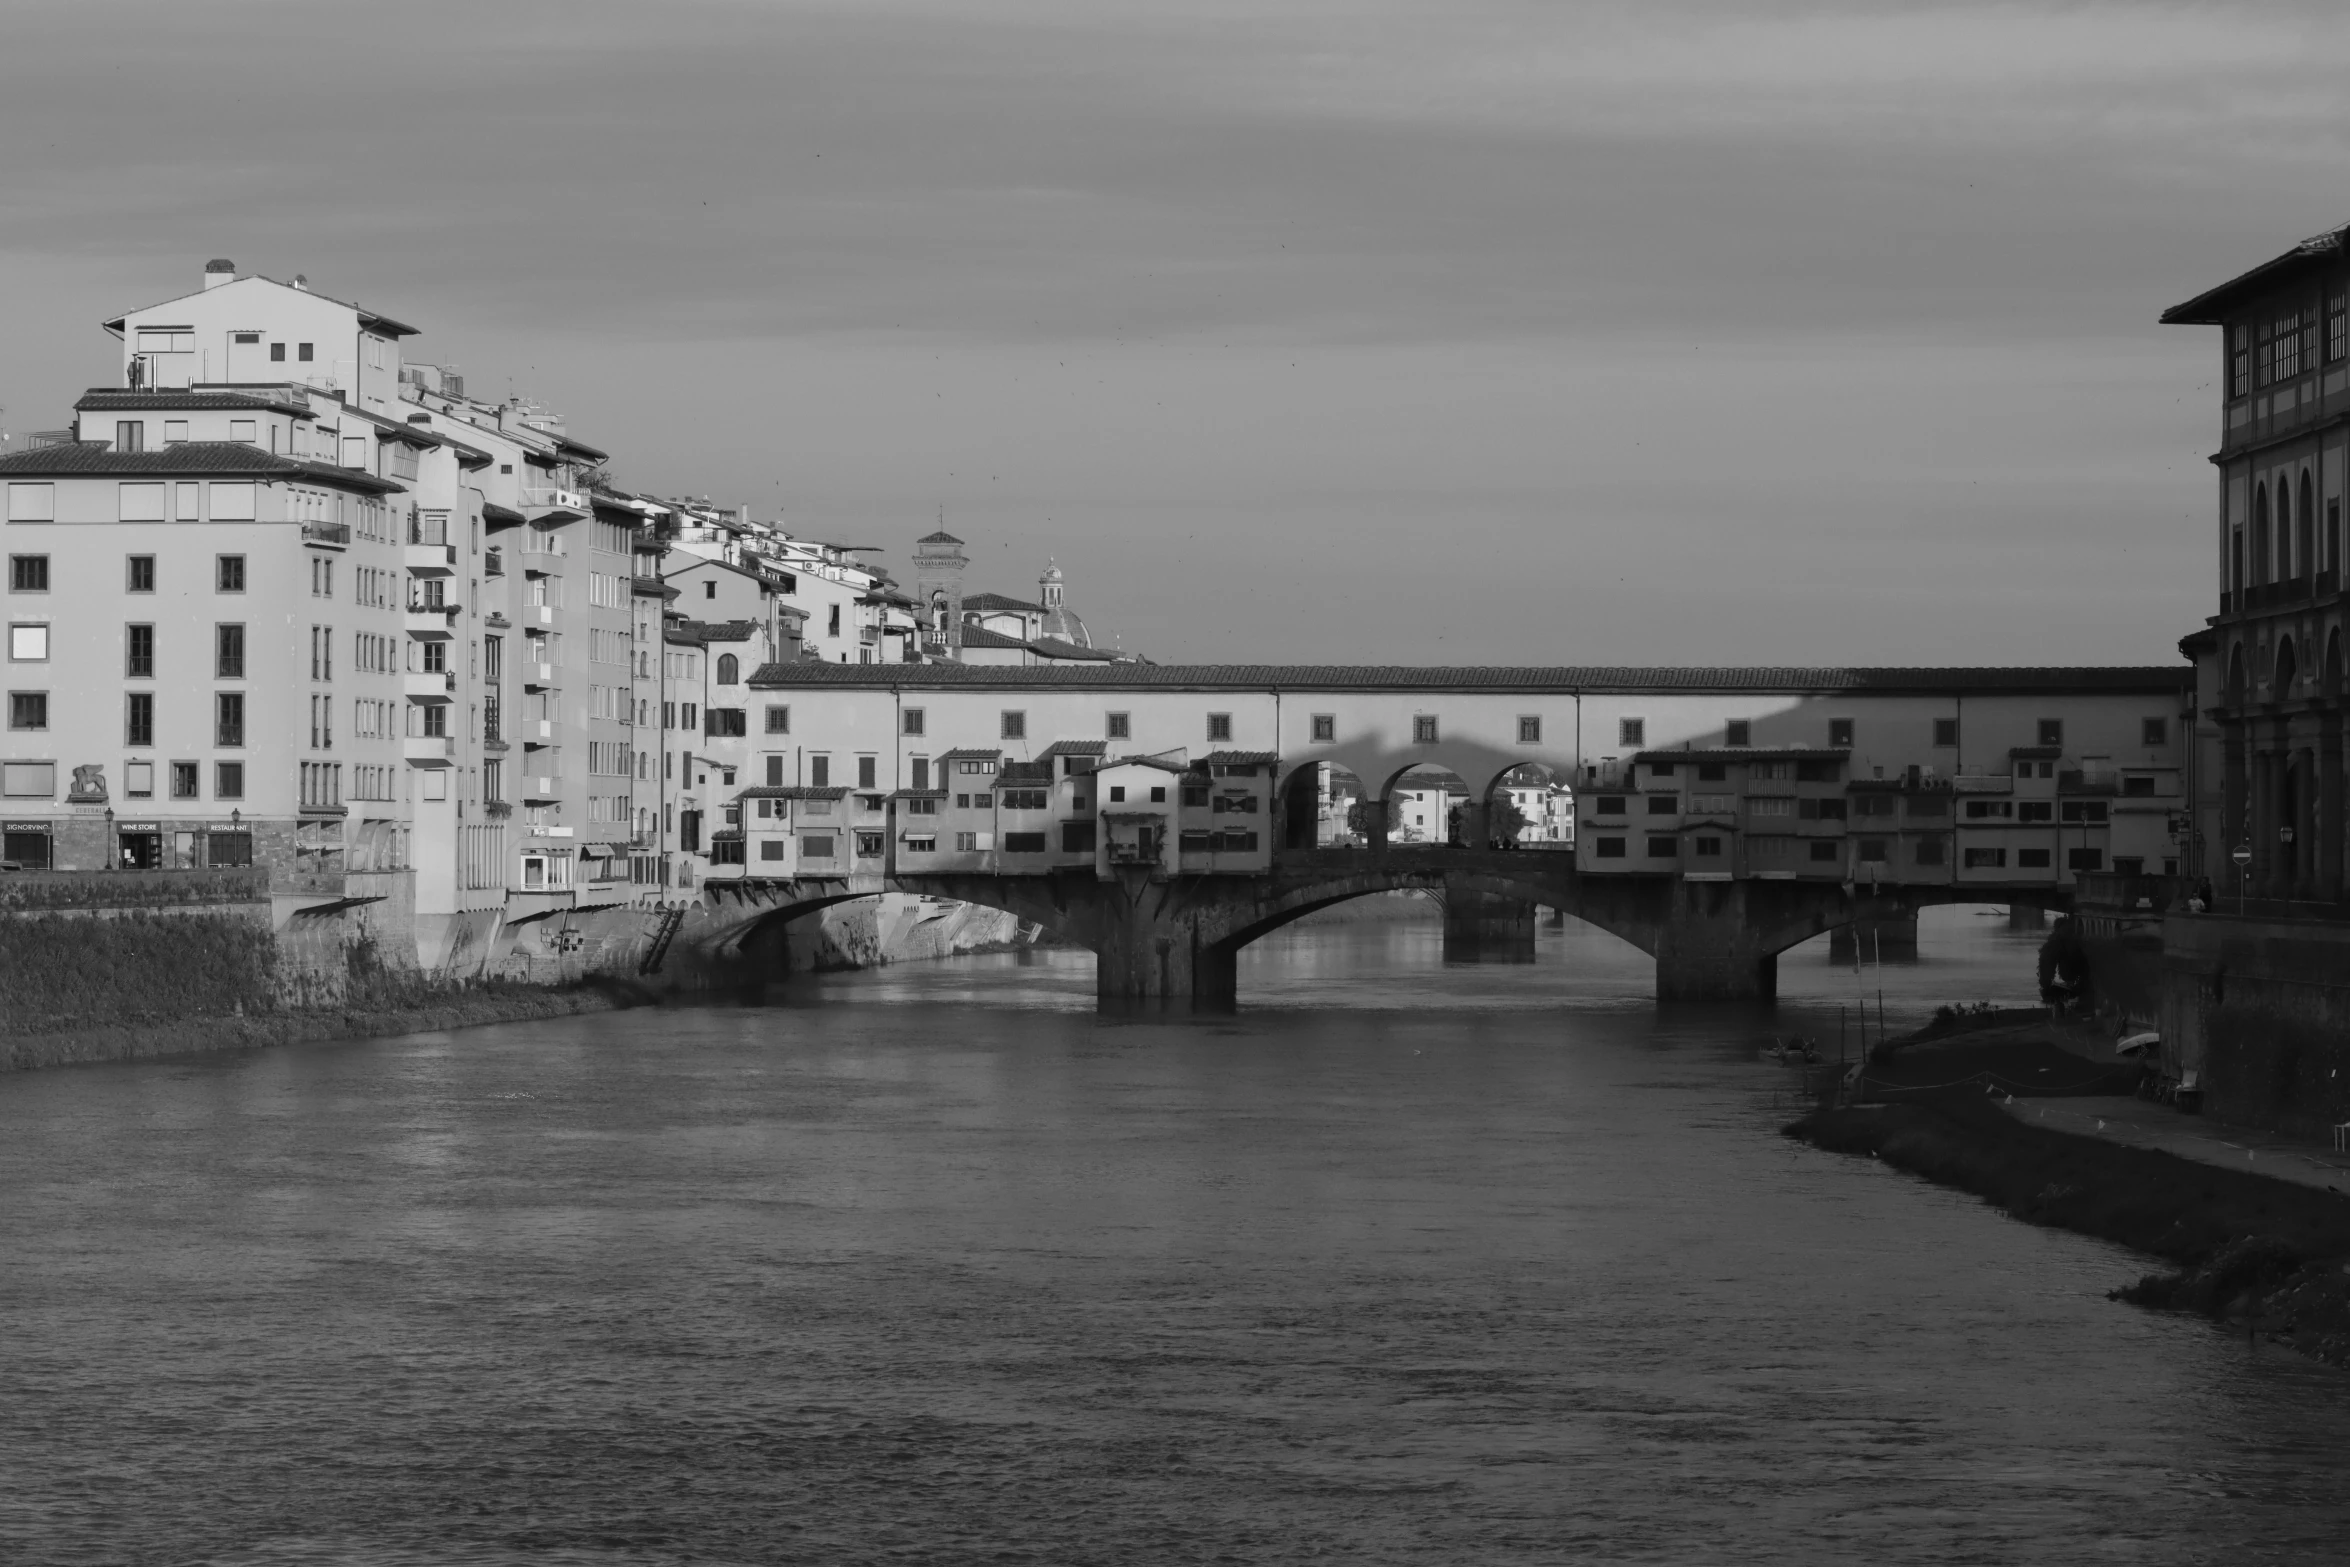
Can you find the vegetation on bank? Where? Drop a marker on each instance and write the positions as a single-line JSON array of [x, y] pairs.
[[59, 972], [2268, 1253]]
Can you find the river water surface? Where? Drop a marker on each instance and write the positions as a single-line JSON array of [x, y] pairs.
[[1403, 1263]]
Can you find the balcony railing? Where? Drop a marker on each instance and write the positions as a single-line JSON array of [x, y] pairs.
[[493, 562], [335, 533], [552, 499]]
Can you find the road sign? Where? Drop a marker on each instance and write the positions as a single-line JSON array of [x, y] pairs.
[[2243, 854]]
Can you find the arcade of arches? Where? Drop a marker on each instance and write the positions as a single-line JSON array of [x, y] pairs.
[[2280, 724]]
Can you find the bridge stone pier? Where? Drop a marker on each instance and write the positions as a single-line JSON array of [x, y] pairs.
[[1162, 938]]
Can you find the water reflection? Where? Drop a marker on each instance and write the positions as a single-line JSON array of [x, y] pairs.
[[1401, 1263]]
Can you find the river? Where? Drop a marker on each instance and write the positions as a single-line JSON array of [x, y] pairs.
[[1401, 1263]]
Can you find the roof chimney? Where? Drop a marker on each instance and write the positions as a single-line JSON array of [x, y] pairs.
[[219, 272], [302, 282]]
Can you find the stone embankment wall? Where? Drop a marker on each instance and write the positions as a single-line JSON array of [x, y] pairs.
[[2260, 1010], [108, 965]]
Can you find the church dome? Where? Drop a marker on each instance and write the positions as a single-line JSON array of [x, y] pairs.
[[1060, 622]]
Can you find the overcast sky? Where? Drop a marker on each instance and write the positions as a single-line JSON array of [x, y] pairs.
[[1433, 332]]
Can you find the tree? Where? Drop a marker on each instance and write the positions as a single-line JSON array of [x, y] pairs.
[[1506, 819]]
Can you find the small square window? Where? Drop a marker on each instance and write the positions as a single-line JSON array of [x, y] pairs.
[[1946, 732], [228, 573], [1738, 732], [911, 721], [184, 780], [779, 722], [1014, 725], [228, 780], [1840, 734], [2051, 731], [28, 644], [1325, 728], [1121, 727], [1117, 794], [28, 709], [1424, 729], [1529, 730], [1631, 732], [28, 573], [1158, 794], [2154, 731], [139, 574], [302, 353], [277, 353], [1219, 726], [1664, 848], [138, 780]]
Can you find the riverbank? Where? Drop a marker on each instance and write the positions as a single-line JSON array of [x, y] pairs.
[[463, 1008], [2271, 1255]]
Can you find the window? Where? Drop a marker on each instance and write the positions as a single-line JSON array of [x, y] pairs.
[[130, 435], [730, 670], [1077, 837], [233, 502], [183, 780], [910, 722], [1824, 851], [1631, 733], [228, 574], [1706, 847], [1219, 726], [2093, 812], [2284, 347], [1608, 805], [28, 644], [2154, 731], [1117, 794], [32, 503], [1608, 848], [1664, 805], [2035, 811], [1424, 729], [1024, 843], [138, 780], [138, 661], [1871, 851], [28, 709], [710, 588], [1738, 732], [1712, 772], [1120, 727], [228, 718], [2239, 360], [2033, 859], [1158, 794], [139, 573], [139, 718], [1986, 859], [1325, 728], [1839, 734], [228, 780], [1818, 772], [2137, 783], [139, 502], [1929, 851], [865, 767], [228, 651], [28, 573], [820, 772], [1663, 847], [277, 353], [1529, 729], [174, 431], [1014, 726], [302, 353], [2337, 327], [2084, 859], [2051, 731]]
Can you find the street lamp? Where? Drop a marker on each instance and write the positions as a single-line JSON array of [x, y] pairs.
[[2243, 858]]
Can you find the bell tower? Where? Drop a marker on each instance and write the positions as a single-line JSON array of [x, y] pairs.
[[938, 582]]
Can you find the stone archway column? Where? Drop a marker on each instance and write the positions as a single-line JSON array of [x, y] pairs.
[[1486, 927], [1145, 951], [2329, 803], [1709, 950]]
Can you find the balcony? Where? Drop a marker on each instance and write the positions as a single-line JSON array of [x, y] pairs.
[[432, 620], [430, 685], [540, 503], [537, 614], [331, 535], [430, 560], [493, 562], [537, 676], [429, 750], [538, 788], [536, 731]]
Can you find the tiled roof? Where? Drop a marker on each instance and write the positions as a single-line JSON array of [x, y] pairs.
[[2036, 753], [794, 792], [1076, 748], [1054, 647], [970, 754], [2211, 307], [582, 449], [1164, 764], [491, 511], [919, 794], [717, 630], [1240, 758], [1560, 680], [368, 319], [114, 399], [651, 587], [1025, 772], [219, 459], [1000, 603], [940, 537]]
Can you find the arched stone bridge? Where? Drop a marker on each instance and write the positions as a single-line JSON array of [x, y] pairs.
[[1181, 936]]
